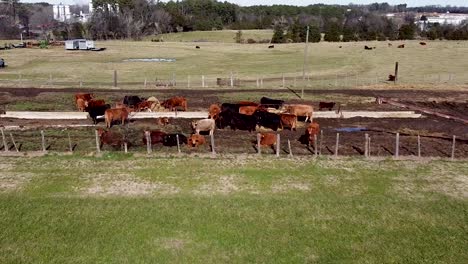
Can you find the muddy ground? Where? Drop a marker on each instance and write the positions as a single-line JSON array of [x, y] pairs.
[[436, 133]]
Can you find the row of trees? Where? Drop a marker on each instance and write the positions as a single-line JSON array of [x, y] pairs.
[[115, 19]]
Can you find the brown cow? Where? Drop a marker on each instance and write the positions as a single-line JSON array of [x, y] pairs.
[[174, 102], [115, 114], [268, 140], [402, 46], [84, 96], [213, 111], [81, 104], [422, 43], [94, 103], [144, 106], [195, 140], [110, 138], [156, 137], [288, 120], [312, 131], [247, 110], [301, 110], [162, 121]]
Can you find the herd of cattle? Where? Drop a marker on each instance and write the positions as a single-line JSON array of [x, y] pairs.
[[269, 113]]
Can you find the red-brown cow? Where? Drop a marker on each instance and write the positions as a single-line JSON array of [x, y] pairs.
[[312, 131], [81, 104], [94, 103], [195, 140], [301, 110], [110, 138], [213, 111], [115, 114], [144, 106], [156, 137], [84, 98], [422, 43], [288, 120], [174, 102], [247, 110], [268, 140]]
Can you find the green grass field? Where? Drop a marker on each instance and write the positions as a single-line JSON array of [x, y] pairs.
[[117, 208], [224, 36], [437, 65]]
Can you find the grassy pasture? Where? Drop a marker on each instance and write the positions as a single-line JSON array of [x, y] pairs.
[[439, 65], [118, 208], [224, 36]]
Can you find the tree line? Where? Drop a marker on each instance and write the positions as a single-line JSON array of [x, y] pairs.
[[119, 19]]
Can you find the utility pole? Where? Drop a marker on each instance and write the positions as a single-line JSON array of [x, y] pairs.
[[305, 61]]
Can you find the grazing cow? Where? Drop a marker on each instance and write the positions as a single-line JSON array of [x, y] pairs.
[[367, 48], [422, 43], [268, 120], [271, 46], [195, 140], [214, 111], [247, 110], [326, 105], [94, 103], [162, 121], [301, 110], [110, 138], [402, 46], [288, 120], [84, 96], [144, 106], [267, 140], [170, 140], [204, 125], [96, 111], [115, 114], [271, 102], [132, 100], [197, 47], [340, 47], [312, 131], [174, 102], [236, 121], [81, 104], [156, 137], [391, 78]]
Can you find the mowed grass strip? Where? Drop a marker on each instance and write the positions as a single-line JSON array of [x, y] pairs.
[[120, 208]]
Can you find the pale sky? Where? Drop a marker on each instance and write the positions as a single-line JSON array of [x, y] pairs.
[[302, 2]]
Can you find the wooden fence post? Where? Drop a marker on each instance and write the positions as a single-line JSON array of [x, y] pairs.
[[148, 142], [213, 151], [14, 143], [284, 82], [453, 147], [396, 72], [366, 145], [98, 143], [315, 145], [70, 147], [290, 150], [419, 146], [261, 82], [43, 141], [232, 80], [115, 78], [258, 143], [278, 145], [258, 85], [337, 144], [320, 143], [178, 143], [203, 81], [145, 82], [125, 147], [397, 145], [5, 146], [188, 81], [369, 147]]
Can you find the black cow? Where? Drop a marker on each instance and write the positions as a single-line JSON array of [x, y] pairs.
[[236, 121], [326, 105], [271, 46], [170, 140], [2, 63], [271, 102], [267, 119], [132, 100], [96, 111], [367, 48], [197, 47]]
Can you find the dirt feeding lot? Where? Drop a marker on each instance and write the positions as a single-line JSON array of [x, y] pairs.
[[436, 133]]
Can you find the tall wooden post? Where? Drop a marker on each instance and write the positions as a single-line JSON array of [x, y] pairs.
[[43, 141], [148, 142], [397, 145], [453, 147], [290, 150], [178, 143], [98, 143], [315, 145], [232, 80], [284, 82], [366, 145], [70, 147], [369, 147], [203, 81], [419, 146], [5, 147], [320, 143], [396, 72], [188, 81], [304, 66], [278, 145], [337, 144], [14, 143], [213, 151], [258, 143]]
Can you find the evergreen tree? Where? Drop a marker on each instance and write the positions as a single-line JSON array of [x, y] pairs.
[[314, 34], [406, 31], [333, 33], [278, 35]]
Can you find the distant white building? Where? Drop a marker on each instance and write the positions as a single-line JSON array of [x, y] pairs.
[[442, 19], [61, 12]]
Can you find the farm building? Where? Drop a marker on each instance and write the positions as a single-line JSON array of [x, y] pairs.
[[79, 44]]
